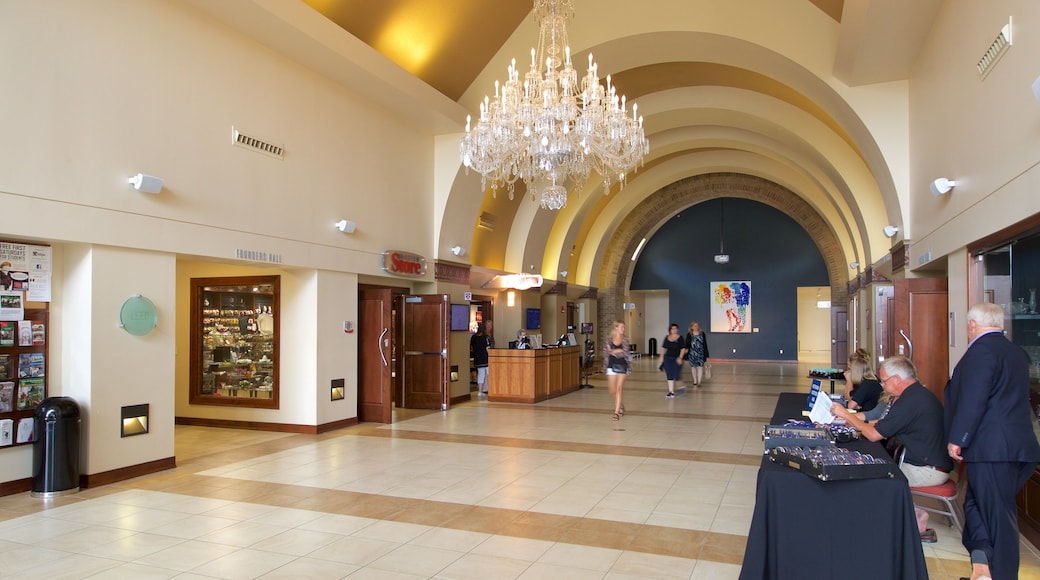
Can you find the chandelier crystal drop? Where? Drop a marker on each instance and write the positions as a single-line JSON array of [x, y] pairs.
[[548, 129]]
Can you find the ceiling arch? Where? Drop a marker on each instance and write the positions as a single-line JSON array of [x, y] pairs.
[[615, 274]]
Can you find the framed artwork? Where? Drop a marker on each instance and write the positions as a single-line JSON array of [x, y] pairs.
[[731, 306]]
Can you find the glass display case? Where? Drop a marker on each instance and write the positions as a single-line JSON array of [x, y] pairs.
[[234, 341]]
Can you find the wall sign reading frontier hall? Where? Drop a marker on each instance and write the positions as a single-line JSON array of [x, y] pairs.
[[404, 263]]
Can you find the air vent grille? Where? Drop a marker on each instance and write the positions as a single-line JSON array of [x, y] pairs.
[[996, 49], [240, 139], [486, 221]]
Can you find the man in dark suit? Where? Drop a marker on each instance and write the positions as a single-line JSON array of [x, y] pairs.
[[989, 426]]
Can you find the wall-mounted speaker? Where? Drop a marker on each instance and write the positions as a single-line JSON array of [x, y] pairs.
[[146, 183]]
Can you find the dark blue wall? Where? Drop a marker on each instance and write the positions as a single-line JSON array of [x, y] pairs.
[[765, 247]]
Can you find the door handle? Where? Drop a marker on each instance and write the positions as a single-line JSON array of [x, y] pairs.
[[381, 355], [910, 345]]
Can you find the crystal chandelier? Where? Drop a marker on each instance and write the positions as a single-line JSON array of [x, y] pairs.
[[548, 130]]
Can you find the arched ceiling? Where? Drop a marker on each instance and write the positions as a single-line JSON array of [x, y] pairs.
[[796, 95]]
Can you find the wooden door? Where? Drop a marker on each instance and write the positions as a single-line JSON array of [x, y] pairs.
[[839, 336], [375, 403], [921, 325], [422, 357]]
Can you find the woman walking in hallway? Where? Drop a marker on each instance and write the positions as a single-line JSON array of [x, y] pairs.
[[618, 362], [697, 351], [673, 349]]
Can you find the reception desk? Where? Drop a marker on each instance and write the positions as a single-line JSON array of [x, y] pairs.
[[532, 375]]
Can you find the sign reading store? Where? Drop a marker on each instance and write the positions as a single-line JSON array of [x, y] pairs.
[[404, 263]]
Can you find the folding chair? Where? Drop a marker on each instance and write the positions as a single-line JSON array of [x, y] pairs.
[[948, 494]]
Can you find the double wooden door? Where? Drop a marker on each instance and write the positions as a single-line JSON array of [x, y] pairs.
[[402, 352]]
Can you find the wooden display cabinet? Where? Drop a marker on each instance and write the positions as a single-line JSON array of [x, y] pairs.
[[234, 341]]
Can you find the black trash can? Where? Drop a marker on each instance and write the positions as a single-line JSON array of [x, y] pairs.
[[652, 347], [56, 448]]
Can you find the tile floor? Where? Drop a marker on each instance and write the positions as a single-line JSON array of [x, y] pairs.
[[485, 490]]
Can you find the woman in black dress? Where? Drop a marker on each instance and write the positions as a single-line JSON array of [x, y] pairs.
[[673, 350]]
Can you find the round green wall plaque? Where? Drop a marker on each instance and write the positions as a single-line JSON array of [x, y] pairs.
[[138, 315]]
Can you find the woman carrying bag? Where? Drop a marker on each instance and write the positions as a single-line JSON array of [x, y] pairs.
[[697, 352]]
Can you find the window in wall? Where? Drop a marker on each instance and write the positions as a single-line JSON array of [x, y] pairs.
[[234, 341]]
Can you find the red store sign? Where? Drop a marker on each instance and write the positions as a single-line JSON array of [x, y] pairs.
[[404, 263]]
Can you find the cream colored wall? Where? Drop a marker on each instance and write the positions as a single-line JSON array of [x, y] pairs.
[[104, 368], [300, 361], [336, 349], [657, 318], [983, 133], [814, 323], [101, 97]]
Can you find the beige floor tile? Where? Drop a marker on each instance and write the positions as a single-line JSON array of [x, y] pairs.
[[243, 564]]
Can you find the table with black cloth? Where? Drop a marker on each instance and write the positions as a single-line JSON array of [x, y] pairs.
[[806, 528]]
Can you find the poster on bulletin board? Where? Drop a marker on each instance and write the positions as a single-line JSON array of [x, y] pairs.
[[26, 268]]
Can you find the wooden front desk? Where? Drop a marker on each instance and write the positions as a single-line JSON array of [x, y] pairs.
[[532, 375]]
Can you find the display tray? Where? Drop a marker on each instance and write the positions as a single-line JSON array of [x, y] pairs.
[[794, 436], [826, 374], [811, 462]]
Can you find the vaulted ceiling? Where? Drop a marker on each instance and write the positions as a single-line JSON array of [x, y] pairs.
[[801, 93]]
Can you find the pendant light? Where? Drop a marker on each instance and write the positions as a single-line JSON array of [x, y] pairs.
[[722, 257]]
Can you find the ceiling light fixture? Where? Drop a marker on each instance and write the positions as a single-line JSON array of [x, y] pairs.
[[942, 186], [563, 273], [854, 265], [548, 129], [890, 231], [722, 257], [346, 226], [458, 250]]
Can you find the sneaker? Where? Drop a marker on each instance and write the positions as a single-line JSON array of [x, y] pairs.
[[669, 395]]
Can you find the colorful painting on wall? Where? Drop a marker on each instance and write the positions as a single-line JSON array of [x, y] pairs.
[[731, 306]]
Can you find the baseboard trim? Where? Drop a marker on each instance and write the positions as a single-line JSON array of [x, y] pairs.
[[125, 473], [460, 399], [16, 486], [261, 426]]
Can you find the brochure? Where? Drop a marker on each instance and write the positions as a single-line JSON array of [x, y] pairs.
[[30, 393], [25, 430], [6, 397], [31, 365]]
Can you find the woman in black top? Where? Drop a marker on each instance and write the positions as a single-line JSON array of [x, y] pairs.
[[478, 349], [673, 350], [862, 389]]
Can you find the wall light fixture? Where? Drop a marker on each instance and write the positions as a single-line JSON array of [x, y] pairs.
[[942, 186]]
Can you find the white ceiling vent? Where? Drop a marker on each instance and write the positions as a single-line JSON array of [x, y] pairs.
[[240, 139], [996, 50]]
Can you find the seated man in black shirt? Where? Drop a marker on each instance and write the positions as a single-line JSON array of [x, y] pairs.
[[915, 417]]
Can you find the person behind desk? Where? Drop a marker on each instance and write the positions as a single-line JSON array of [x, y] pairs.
[[522, 342], [915, 417], [862, 388], [989, 426]]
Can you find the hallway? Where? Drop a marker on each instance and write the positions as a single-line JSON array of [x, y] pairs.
[[485, 490]]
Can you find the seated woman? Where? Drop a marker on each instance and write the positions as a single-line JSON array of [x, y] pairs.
[[862, 389]]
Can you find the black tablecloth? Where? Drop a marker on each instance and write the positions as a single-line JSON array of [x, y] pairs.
[[805, 528]]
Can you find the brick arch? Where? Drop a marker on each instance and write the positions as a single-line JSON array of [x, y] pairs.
[[615, 272]]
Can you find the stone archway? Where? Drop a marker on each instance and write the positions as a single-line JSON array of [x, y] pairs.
[[615, 272]]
